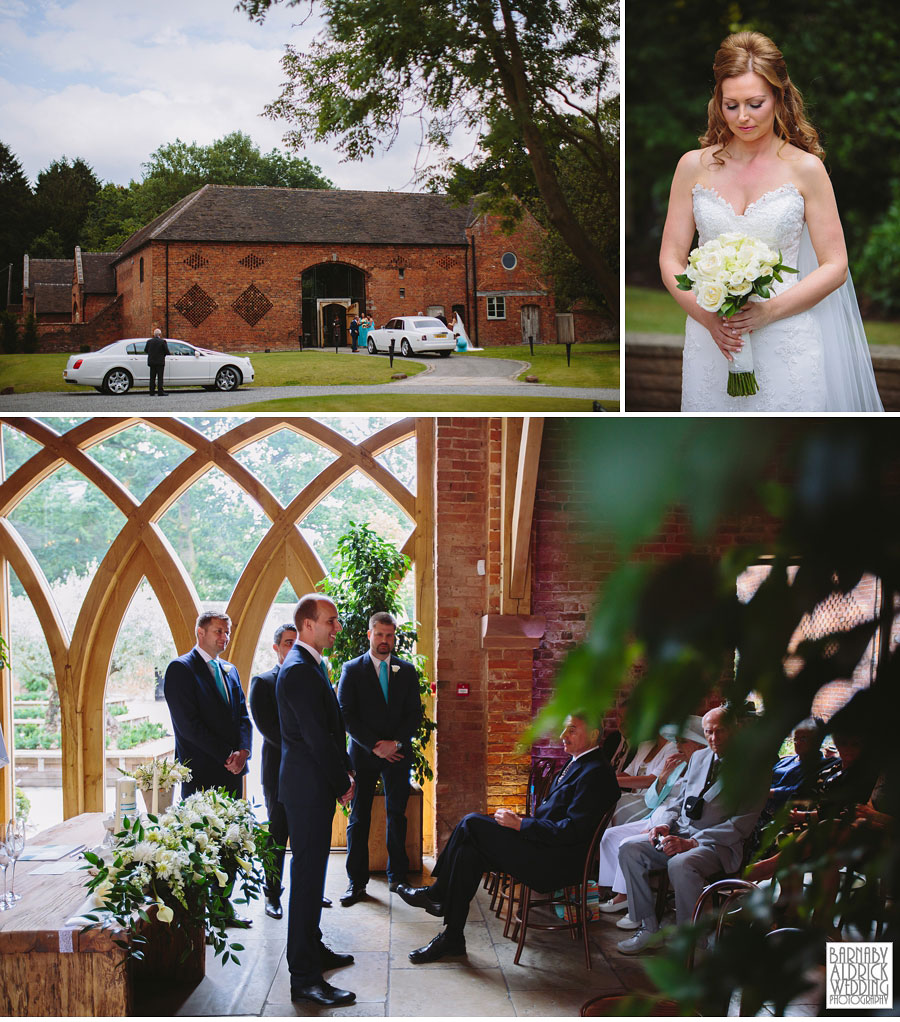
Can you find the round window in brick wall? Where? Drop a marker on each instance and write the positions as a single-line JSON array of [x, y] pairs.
[[508, 260]]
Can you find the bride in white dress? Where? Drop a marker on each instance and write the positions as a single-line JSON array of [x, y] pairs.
[[760, 172]]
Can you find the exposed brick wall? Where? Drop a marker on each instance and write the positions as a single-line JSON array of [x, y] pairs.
[[432, 276], [570, 565], [520, 286], [105, 328], [463, 468]]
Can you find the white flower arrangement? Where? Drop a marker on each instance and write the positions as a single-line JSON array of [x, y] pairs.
[[167, 773], [186, 862], [724, 275]]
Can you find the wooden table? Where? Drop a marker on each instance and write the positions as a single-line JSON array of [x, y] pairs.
[[46, 967]]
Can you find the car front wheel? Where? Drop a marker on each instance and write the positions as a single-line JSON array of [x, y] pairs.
[[117, 381], [227, 378], [371, 346], [405, 350]]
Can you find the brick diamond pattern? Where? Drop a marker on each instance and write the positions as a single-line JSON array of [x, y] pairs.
[[196, 260], [251, 305], [252, 261], [447, 263], [195, 305]]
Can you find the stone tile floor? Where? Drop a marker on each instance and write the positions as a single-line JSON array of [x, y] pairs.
[[551, 979]]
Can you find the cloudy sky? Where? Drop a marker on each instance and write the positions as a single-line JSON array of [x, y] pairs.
[[112, 80]]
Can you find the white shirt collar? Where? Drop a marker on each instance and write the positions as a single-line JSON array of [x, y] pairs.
[[317, 656], [580, 754], [206, 657]]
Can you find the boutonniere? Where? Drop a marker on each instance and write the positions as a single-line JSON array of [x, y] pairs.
[[395, 668]]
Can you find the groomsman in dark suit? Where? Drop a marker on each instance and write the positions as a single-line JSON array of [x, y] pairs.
[[314, 776], [213, 733], [545, 851], [379, 698]]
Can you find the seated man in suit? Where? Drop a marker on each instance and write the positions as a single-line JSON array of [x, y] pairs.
[[545, 851], [213, 733], [379, 698], [697, 837]]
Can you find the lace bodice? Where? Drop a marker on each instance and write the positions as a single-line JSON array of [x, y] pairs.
[[775, 218]]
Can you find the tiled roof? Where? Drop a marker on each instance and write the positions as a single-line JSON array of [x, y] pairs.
[[49, 271], [98, 272], [259, 215], [52, 298]]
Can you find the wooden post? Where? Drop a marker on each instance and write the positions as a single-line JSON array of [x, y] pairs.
[[426, 595]]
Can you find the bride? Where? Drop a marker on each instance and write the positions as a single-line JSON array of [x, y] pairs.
[[760, 173]]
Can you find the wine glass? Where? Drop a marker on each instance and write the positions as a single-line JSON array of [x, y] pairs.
[[15, 843], [4, 865]]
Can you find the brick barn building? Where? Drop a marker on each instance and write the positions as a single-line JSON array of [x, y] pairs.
[[250, 268]]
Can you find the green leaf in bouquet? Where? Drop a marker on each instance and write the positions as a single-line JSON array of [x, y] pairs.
[[684, 282]]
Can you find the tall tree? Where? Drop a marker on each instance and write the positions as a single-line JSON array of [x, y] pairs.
[[540, 67], [63, 195], [16, 203]]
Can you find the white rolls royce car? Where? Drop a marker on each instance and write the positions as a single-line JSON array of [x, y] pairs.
[[122, 365], [411, 335]]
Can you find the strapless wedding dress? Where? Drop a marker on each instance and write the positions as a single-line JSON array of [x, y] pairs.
[[815, 361]]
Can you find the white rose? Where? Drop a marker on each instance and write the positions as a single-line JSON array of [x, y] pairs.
[[711, 295], [710, 263]]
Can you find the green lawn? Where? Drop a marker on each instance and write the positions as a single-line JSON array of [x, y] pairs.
[[35, 373], [422, 403], [593, 365], [650, 311]]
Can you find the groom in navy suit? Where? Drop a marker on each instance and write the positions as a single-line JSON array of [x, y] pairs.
[[379, 697], [213, 733], [545, 851], [314, 776]]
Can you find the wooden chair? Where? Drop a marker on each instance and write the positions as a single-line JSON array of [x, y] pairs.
[[543, 770], [575, 910]]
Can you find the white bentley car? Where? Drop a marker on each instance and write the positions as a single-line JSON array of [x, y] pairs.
[[122, 365], [411, 335]]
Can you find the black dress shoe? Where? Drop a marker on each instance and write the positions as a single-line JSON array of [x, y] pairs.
[[352, 895], [419, 897], [239, 922], [394, 884], [440, 947], [333, 959], [273, 908], [323, 993], [326, 902]]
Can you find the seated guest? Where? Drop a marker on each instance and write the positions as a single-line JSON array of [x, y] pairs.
[[837, 794], [665, 791], [697, 837], [545, 851], [640, 776], [795, 776]]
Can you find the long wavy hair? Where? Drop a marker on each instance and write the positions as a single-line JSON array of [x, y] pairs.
[[744, 52]]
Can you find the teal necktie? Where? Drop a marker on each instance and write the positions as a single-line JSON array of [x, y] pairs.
[[220, 681], [383, 678], [324, 671]]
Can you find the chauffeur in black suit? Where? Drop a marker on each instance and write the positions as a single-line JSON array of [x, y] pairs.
[[545, 851], [213, 733], [314, 775], [379, 698]]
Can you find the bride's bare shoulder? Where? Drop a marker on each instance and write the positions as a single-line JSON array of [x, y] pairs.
[[691, 166]]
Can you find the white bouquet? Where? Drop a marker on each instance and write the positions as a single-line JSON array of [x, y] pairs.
[[724, 275], [165, 772]]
